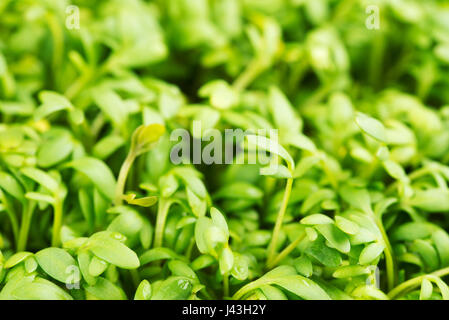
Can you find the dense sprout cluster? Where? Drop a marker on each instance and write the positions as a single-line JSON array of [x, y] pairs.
[[93, 207]]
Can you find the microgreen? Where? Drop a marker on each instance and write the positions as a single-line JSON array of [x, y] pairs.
[[346, 199]]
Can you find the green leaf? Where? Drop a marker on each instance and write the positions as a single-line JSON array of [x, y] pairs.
[[198, 205], [431, 200], [97, 266], [370, 253], [112, 105], [316, 198], [427, 253], [16, 259], [300, 141], [304, 266], [201, 226], [202, 262], [357, 198], [10, 185], [276, 171], [40, 289], [317, 218], [220, 93], [273, 293], [51, 102], [98, 172], [350, 271], [36, 196], [219, 220], [346, 225], [84, 259], [113, 251], [299, 285], [104, 290], [56, 147], [272, 146], [181, 268], [56, 263], [335, 237], [42, 178], [240, 269], [426, 289], [191, 180], [107, 146], [30, 264], [168, 185], [283, 113], [239, 190], [141, 202], [441, 241], [413, 230], [128, 223], [444, 289], [143, 291], [322, 253], [144, 137], [395, 170], [156, 254], [371, 126], [226, 260], [173, 288]]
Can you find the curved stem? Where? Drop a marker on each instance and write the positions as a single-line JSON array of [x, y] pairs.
[[57, 222], [78, 85], [25, 226], [414, 282], [226, 285], [58, 42], [279, 221], [190, 248], [248, 75], [135, 276], [389, 260], [89, 75], [245, 289], [250, 287], [124, 170], [12, 216], [162, 212], [284, 253]]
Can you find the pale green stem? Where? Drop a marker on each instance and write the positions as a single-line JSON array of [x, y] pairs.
[[135, 277], [226, 285], [279, 221], [57, 222], [124, 170], [414, 175], [25, 225], [284, 253], [12, 217], [415, 282], [248, 288], [58, 41], [319, 94], [14, 223], [78, 85], [88, 76], [248, 75], [389, 260], [162, 212], [190, 248], [376, 59]]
